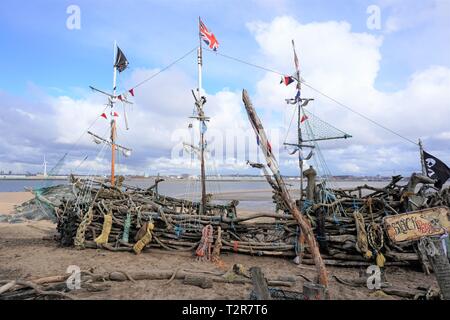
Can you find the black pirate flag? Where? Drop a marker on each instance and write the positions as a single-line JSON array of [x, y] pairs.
[[121, 61], [436, 169]]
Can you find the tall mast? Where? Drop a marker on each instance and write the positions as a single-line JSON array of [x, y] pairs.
[[113, 122], [299, 105], [202, 119]]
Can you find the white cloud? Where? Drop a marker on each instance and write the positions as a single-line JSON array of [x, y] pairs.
[[345, 65], [333, 58]]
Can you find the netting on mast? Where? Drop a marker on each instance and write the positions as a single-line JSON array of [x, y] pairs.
[[319, 130], [315, 130]]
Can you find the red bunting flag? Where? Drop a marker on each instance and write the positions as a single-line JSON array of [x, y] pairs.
[[104, 116], [115, 114], [287, 80], [269, 147], [120, 98], [131, 91], [304, 118]]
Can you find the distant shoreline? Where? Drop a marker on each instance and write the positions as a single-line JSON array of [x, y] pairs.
[[222, 179]]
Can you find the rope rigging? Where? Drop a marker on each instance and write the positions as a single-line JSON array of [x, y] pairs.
[[318, 91]]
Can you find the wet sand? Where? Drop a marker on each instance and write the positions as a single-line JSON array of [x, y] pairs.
[[10, 199]]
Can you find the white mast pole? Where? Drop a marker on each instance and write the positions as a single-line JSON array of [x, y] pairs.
[[299, 129], [113, 121], [115, 69], [200, 62]]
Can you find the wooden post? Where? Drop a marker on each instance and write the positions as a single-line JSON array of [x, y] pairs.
[[422, 161], [313, 291], [203, 173], [441, 267], [272, 164], [260, 284]]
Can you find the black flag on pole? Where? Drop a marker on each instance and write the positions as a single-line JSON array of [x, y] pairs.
[[121, 61], [436, 169]]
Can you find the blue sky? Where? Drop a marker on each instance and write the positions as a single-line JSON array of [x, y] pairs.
[[43, 61]]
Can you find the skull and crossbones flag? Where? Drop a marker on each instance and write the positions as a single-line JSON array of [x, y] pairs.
[[436, 169], [121, 61]]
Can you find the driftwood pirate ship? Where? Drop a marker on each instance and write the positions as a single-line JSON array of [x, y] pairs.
[[324, 226]]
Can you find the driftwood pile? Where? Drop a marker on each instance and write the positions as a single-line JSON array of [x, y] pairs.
[[177, 225]]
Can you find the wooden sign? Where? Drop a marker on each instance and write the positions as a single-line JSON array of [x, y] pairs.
[[414, 225]]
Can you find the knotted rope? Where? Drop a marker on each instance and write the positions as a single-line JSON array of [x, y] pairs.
[[362, 244], [217, 247], [204, 249], [81, 230], [375, 238]]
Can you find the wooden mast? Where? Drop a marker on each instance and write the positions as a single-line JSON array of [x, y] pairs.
[[201, 117], [296, 213], [299, 133]]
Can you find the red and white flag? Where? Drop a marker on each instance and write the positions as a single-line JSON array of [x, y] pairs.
[[208, 36], [304, 118]]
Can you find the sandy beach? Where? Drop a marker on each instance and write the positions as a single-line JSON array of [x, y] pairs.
[[9, 199], [28, 251]]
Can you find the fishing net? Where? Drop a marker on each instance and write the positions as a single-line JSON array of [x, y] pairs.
[[320, 130]]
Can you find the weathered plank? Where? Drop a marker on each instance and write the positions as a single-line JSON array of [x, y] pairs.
[[260, 284]]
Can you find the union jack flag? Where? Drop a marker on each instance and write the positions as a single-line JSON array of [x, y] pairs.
[[208, 36]]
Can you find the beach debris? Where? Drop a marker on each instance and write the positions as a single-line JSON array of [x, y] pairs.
[[199, 281], [55, 287], [314, 291], [261, 289]]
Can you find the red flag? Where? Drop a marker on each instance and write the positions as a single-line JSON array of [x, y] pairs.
[[304, 118], [287, 80], [115, 114], [131, 91], [120, 98], [104, 116]]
